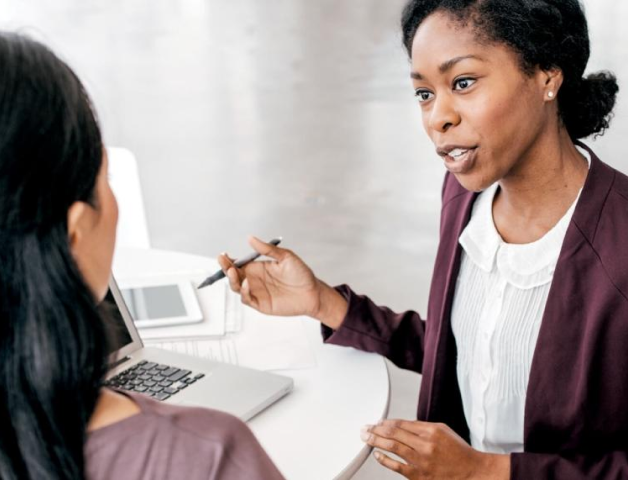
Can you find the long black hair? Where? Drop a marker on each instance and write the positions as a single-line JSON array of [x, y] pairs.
[[52, 340], [544, 33]]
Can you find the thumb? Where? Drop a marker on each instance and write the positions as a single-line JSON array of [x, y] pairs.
[[267, 249]]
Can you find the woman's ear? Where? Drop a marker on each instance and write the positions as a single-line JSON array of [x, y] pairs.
[[77, 222], [551, 80]]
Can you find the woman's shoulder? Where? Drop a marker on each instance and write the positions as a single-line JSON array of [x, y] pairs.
[[199, 440], [601, 218], [620, 186], [608, 188], [155, 418]]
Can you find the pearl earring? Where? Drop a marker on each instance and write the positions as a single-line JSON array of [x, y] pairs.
[[550, 94]]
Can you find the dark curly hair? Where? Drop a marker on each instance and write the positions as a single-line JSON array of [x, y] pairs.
[[545, 34]]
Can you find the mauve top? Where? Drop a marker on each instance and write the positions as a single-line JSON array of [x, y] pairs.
[[167, 441]]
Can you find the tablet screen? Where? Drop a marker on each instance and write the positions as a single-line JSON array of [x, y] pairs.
[[152, 303]]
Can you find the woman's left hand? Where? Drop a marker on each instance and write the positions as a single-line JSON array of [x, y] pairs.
[[432, 451]]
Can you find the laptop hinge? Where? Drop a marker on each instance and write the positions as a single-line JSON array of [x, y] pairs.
[[119, 362]]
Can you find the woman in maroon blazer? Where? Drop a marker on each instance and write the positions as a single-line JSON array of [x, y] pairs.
[[502, 94]]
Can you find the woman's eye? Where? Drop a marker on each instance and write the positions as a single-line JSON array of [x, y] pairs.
[[463, 83], [423, 95]]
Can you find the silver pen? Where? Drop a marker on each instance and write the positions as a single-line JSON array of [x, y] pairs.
[[238, 263]]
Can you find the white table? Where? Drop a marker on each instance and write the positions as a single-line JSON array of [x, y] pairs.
[[314, 432]]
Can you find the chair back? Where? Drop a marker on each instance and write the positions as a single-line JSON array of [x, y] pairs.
[[125, 182]]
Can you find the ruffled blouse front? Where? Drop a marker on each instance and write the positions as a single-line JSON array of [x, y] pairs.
[[501, 292]]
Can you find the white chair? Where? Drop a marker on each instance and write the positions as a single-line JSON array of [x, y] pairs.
[[125, 182]]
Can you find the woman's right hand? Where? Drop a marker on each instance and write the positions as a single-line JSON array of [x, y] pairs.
[[283, 286]]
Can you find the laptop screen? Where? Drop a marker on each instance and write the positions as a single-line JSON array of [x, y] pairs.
[[119, 335]]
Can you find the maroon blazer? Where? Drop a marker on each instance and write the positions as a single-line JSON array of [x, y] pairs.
[[576, 414]]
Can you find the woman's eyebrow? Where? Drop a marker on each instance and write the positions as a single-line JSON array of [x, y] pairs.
[[445, 66]]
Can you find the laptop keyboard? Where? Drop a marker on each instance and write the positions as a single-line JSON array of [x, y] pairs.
[[154, 379]]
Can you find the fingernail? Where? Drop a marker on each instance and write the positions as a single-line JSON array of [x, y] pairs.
[[377, 455], [365, 433]]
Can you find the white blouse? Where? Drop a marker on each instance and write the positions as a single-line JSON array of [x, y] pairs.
[[499, 301]]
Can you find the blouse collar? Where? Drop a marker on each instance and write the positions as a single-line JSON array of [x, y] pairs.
[[523, 265]]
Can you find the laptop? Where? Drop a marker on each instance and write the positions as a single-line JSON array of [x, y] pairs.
[[183, 379]]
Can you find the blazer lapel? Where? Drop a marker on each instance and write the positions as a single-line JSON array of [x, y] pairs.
[[563, 328], [457, 207]]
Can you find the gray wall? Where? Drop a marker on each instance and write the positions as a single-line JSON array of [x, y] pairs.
[[276, 117]]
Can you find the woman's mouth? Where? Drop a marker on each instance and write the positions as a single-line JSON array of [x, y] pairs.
[[460, 160]]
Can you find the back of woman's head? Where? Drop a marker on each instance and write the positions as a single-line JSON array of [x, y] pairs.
[[52, 342], [543, 33]]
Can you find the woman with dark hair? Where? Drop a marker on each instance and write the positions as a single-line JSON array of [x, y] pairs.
[[57, 232], [523, 354]]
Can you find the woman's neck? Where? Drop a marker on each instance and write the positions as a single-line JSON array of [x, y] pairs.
[[535, 195], [111, 407]]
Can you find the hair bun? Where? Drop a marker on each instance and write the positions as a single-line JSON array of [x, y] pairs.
[[587, 107]]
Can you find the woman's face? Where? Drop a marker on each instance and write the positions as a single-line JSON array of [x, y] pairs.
[[480, 109], [92, 232]]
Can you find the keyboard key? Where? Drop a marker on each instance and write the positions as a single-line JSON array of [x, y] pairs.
[[169, 371], [153, 379], [179, 375]]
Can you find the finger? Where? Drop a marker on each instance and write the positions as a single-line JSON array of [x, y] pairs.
[[422, 429], [225, 262], [234, 279], [247, 297], [394, 465], [392, 432], [388, 444], [267, 249]]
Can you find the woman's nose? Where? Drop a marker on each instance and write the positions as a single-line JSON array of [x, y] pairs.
[[443, 115]]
